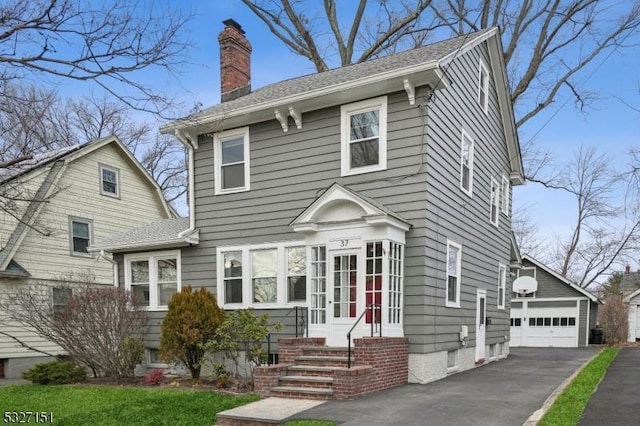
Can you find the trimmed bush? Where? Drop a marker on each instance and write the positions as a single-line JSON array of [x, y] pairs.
[[193, 318], [55, 373]]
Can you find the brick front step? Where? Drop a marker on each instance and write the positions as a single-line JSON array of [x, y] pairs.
[[310, 370], [300, 392], [316, 382], [325, 351], [327, 361]]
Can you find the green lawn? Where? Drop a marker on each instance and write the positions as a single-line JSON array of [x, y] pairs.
[[568, 407], [84, 405]]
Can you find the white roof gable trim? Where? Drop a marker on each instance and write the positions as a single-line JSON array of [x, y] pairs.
[[631, 296], [565, 280], [340, 206]]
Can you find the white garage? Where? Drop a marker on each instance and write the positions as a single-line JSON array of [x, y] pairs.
[[552, 313], [555, 326], [634, 315]]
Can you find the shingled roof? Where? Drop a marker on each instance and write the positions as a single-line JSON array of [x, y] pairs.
[[164, 233], [285, 90]]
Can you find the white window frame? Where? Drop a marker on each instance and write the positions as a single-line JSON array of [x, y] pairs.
[[502, 285], [346, 111], [102, 168], [505, 192], [528, 268], [87, 222], [247, 284], [153, 258], [494, 202], [220, 137], [483, 87], [466, 139], [457, 273]]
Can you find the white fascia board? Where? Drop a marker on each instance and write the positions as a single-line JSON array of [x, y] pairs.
[[323, 97]]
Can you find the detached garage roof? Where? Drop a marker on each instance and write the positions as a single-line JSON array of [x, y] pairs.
[[561, 278]]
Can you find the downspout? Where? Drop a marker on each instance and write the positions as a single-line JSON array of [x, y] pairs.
[[191, 192], [116, 282]]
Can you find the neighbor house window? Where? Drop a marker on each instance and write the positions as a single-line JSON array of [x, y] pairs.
[[364, 136], [60, 297], [502, 285], [153, 278], [483, 87], [454, 255], [494, 202], [262, 275], [466, 163], [80, 230], [231, 158], [109, 181]]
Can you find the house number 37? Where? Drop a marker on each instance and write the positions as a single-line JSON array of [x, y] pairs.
[[344, 243]]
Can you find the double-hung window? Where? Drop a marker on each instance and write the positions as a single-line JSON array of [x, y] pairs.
[[505, 193], [502, 285], [80, 236], [466, 163], [153, 278], [264, 275], [454, 271], [494, 202], [483, 87], [231, 158], [109, 181], [60, 296], [364, 136]]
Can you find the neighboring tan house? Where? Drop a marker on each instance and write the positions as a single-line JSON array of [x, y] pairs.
[[554, 312], [65, 200], [386, 182]]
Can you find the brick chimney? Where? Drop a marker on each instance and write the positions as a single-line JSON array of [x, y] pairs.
[[235, 62]]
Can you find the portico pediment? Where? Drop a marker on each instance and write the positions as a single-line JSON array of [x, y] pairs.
[[340, 206]]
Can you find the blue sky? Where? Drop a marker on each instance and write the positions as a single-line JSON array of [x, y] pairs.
[[607, 124]]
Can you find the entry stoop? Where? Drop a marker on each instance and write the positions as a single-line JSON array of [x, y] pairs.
[[311, 377], [266, 412], [310, 370]]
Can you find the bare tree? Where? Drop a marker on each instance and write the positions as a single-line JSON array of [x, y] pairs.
[[107, 43], [547, 43], [42, 122], [527, 233], [605, 233], [102, 328]]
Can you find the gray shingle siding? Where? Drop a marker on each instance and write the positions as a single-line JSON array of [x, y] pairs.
[[289, 170]]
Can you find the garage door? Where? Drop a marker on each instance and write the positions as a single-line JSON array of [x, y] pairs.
[[544, 326]]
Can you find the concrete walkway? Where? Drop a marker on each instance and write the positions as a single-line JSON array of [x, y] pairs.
[[617, 398], [502, 393]]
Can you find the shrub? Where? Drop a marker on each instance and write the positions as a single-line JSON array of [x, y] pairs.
[[156, 377], [614, 319], [240, 339], [55, 373], [192, 319], [103, 328]]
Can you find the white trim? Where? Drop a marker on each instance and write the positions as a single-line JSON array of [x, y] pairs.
[[505, 192], [247, 287], [152, 258], [502, 283], [346, 111], [494, 201], [220, 137], [464, 137], [482, 70], [101, 168], [455, 303]]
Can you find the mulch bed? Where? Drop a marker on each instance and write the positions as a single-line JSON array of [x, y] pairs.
[[232, 387]]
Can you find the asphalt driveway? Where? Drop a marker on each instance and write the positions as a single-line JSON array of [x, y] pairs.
[[501, 393]]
